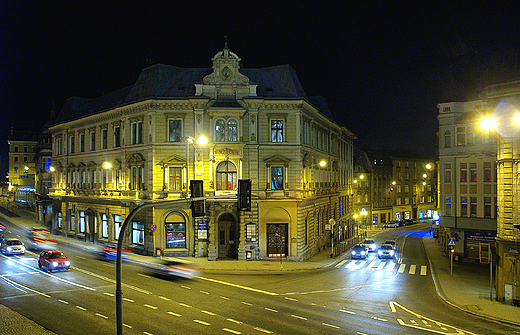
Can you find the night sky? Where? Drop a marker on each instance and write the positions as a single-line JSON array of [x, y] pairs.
[[382, 66]]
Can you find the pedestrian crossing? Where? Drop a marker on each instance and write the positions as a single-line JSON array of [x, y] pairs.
[[383, 265]]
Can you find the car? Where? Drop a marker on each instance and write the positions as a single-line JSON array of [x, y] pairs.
[[53, 260], [39, 239], [391, 224], [12, 246], [2, 227], [370, 244], [109, 253], [359, 251], [386, 251], [410, 222], [172, 267], [392, 243]]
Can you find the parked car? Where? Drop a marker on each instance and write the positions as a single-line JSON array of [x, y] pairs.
[[12, 246], [172, 267], [359, 251], [371, 245], [40, 239], [53, 260], [392, 243], [409, 222], [391, 224], [386, 251]]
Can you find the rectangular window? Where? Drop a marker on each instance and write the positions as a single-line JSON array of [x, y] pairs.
[[58, 146], [175, 179], [117, 137], [487, 207], [60, 221], [92, 140], [406, 188], [447, 173], [82, 221], [137, 132], [463, 172], [16, 159], [175, 235], [137, 233], [117, 225], [463, 206], [487, 171], [174, 130], [81, 142], [104, 225], [473, 206], [472, 171], [461, 136], [277, 178], [398, 201], [406, 200], [71, 145], [276, 130], [104, 138], [72, 222]]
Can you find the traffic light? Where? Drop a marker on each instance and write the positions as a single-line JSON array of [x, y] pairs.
[[197, 191], [244, 195]]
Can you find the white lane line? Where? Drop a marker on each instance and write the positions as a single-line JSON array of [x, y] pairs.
[[341, 263], [202, 322], [186, 287], [246, 303], [231, 331], [381, 266], [292, 299], [127, 326], [390, 267], [142, 275], [329, 325], [129, 300], [111, 280], [236, 285], [225, 298], [359, 266], [352, 262], [412, 269], [101, 315], [423, 270], [63, 301], [379, 319], [108, 265], [372, 264], [298, 317], [81, 257], [174, 314], [164, 298], [271, 310], [82, 308], [204, 292], [147, 333], [345, 311], [234, 321], [150, 306], [16, 285], [109, 294], [263, 330], [208, 312], [401, 268], [184, 305]]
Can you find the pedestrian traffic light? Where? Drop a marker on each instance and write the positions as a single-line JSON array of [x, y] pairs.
[[244, 195], [198, 207]]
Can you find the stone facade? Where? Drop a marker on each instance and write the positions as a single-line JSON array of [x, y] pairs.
[[259, 125]]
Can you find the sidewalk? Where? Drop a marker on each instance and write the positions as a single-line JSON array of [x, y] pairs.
[[468, 289]]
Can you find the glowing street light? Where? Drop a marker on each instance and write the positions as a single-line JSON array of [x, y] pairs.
[[488, 123], [323, 163]]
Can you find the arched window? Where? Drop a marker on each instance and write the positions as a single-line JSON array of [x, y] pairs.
[[226, 176], [175, 226], [226, 131], [447, 139]]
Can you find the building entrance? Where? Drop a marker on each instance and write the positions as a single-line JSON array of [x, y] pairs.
[[277, 240], [227, 237]]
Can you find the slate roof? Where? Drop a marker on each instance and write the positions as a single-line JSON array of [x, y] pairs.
[[166, 82]]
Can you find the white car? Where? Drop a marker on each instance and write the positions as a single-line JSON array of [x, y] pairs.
[[172, 267], [12, 246], [370, 244]]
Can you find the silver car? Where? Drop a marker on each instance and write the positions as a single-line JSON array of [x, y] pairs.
[[12, 246]]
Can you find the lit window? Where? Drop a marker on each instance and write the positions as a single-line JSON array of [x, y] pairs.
[[137, 233], [226, 176], [174, 130], [276, 130], [104, 225], [277, 177], [226, 131], [175, 179], [175, 231], [82, 221], [117, 225]]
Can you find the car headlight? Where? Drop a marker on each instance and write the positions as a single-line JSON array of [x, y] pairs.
[[353, 252], [67, 263], [22, 248], [391, 252], [363, 253], [55, 264], [379, 252]]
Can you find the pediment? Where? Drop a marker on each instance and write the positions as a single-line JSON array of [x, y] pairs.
[[173, 160], [277, 159]]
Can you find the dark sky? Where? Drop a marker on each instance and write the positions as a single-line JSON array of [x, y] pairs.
[[382, 67]]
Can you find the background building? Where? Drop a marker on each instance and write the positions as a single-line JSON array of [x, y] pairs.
[[139, 145]]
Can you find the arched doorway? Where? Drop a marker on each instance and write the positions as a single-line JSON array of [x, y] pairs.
[[227, 236]]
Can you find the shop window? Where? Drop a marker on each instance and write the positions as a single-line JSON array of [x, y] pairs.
[[82, 221], [117, 225], [137, 233], [104, 225], [175, 234]]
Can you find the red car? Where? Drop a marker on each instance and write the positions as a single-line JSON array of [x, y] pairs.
[[53, 260]]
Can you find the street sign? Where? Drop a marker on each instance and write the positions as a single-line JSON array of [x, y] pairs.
[[451, 242]]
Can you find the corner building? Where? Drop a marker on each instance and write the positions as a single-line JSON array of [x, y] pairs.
[[259, 125]]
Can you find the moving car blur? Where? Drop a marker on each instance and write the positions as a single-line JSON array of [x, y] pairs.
[[370, 244], [172, 267], [386, 251], [359, 251], [53, 260], [39, 239], [109, 253], [12, 246]]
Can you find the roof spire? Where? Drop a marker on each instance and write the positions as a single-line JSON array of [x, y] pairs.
[[225, 45]]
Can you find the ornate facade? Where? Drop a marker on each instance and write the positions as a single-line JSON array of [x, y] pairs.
[[138, 145]]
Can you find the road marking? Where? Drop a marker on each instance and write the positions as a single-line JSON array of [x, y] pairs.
[[111, 280], [142, 275], [236, 285], [129, 300], [352, 262], [150, 306], [359, 266], [147, 333], [225, 298], [381, 266], [186, 287], [247, 303], [80, 257], [371, 264], [271, 310], [127, 326], [208, 312], [379, 319], [235, 321], [292, 299], [109, 294], [184, 305], [164, 298], [401, 268], [101, 315], [17, 286], [423, 270], [329, 325], [82, 308], [390, 267], [345, 311], [204, 292], [202, 322], [174, 314], [412, 269], [63, 301], [341, 263], [263, 330], [231, 331], [298, 317]]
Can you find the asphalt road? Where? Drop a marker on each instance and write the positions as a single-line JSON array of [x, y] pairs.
[[376, 297]]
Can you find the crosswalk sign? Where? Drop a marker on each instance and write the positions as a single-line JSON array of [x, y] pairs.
[[451, 243]]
